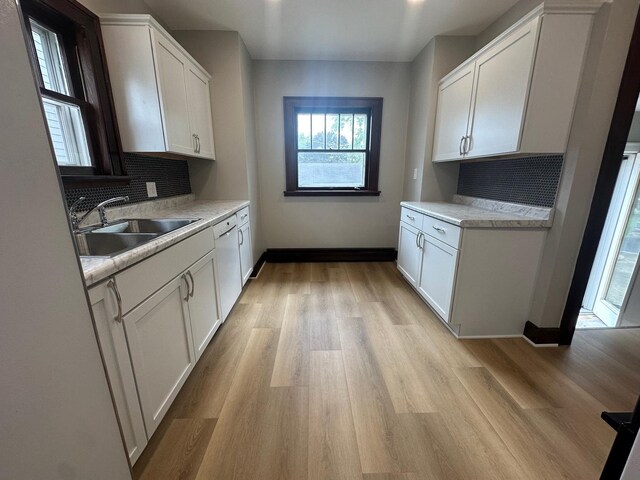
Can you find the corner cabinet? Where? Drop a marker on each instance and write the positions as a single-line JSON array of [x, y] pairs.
[[517, 94], [161, 93], [478, 281]]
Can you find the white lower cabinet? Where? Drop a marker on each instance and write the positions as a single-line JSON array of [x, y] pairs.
[[113, 343], [155, 319], [161, 348], [437, 274], [409, 253], [204, 312], [478, 281], [246, 253]]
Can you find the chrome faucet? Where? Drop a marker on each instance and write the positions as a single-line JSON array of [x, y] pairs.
[[75, 221]]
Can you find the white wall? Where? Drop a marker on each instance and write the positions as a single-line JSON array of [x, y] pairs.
[[634, 132], [330, 222], [632, 468], [56, 416]]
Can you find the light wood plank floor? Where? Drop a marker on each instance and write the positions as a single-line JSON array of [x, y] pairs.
[[339, 371]]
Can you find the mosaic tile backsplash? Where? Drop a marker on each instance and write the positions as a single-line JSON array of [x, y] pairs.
[[171, 177], [527, 180]]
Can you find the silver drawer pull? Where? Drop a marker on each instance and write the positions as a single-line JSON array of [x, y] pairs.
[[438, 229], [242, 217], [184, 277], [114, 287], [411, 217], [193, 283]]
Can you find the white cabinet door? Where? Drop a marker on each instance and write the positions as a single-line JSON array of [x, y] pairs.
[[409, 253], [203, 304], [452, 116], [200, 111], [501, 90], [246, 253], [113, 344], [171, 68], [437, 276], [161, 348]]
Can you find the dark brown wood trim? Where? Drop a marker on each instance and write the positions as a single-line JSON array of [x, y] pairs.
[[605, 185], [293, 255], [331, 193], [80, 181], [370, 105], [86, 62], [541, 336], [258, 266]]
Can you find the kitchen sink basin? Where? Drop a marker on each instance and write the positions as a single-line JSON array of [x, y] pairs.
[[145, 225], [110, 244]]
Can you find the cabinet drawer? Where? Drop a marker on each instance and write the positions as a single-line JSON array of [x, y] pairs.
[[443, 231], [224, 226], [243, 216], [411, 217], [143, 279]]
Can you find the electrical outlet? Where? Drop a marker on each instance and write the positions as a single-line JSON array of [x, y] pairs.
[[415, 173], [151, 190]]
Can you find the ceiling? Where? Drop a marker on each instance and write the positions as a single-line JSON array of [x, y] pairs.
[[372, 30]]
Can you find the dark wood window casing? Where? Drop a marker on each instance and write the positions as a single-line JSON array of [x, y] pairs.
[[83, 52], [371, 106]]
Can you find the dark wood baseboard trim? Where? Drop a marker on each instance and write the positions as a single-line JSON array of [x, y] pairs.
[[541, 335], [256, 268], [290, 255]]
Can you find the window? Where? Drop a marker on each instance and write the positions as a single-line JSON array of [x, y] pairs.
[[66, 53], [332, 145]]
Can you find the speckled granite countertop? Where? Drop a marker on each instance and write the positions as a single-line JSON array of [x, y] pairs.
[[96, 269], [471, 212]]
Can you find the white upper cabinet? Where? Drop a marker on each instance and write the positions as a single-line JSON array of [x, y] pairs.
[[517, 94], [161, 93], [200, 111], [452, 121], [501, 88]]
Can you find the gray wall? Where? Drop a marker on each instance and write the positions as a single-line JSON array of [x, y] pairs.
[[330, 221], [596, 100], [433, 182], [57, 419], [118, 6], [233, 175]]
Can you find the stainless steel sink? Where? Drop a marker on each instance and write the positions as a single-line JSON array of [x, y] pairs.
[[145, 225], [110, 244]]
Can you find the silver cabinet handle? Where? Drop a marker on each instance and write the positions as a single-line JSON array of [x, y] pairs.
[[241, 237], [418, 240], [184, 277], [411, 217], [438, 229], [467, 144], [461, 146], [242, 217], [114, 287], [195, 143], [193, 284], [198, 142]]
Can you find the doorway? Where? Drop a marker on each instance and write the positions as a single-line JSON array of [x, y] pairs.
[[615, 267]]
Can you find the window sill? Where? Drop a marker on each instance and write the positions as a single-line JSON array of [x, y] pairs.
[[78, 181], [332, 193]]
